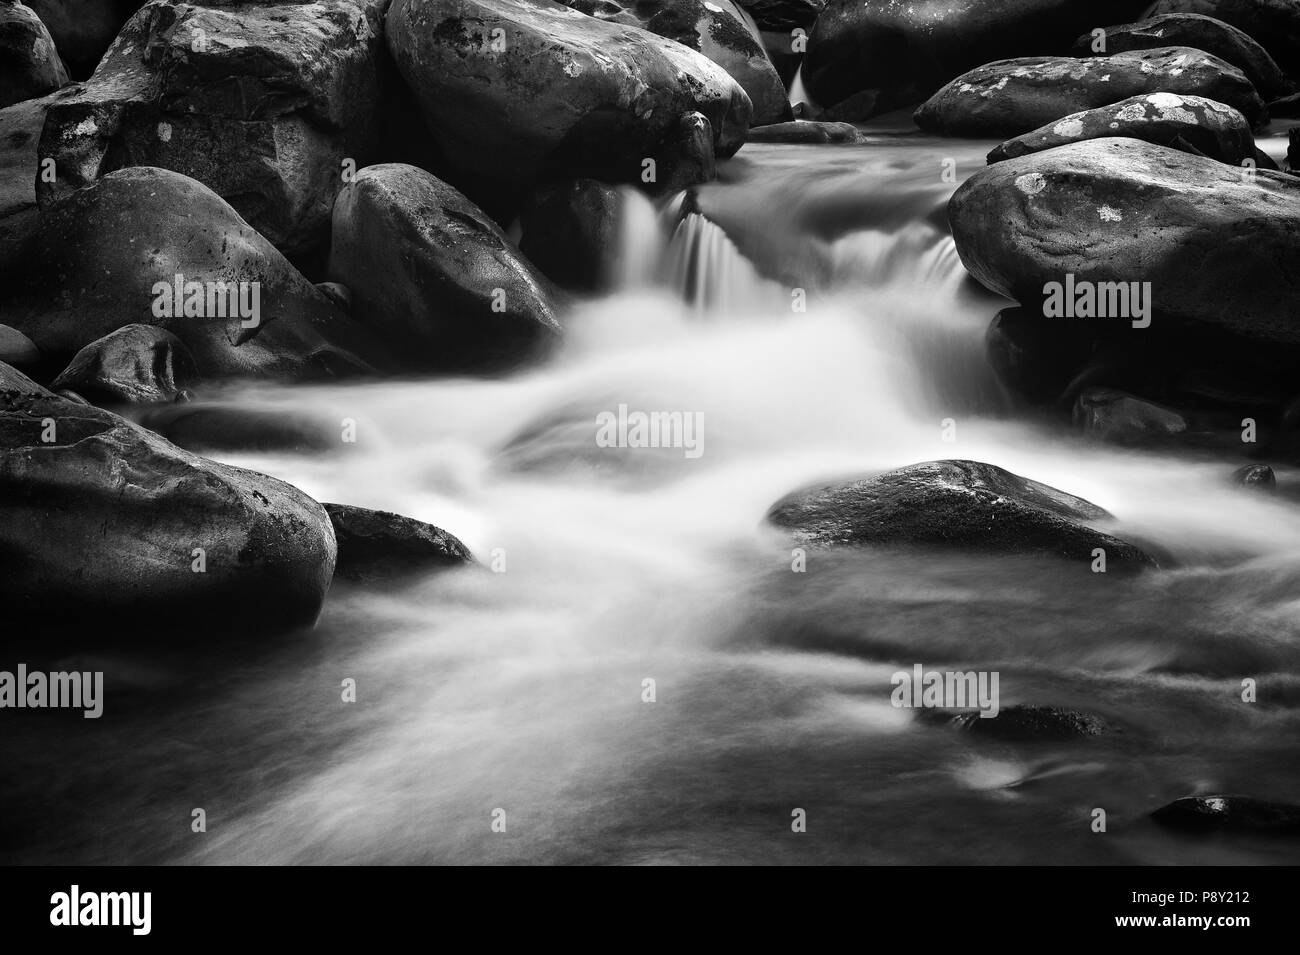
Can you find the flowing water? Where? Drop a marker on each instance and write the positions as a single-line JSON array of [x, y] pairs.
[[820, 321]]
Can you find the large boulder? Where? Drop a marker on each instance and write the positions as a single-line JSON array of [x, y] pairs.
[[1200, 32], [379, 545], [1274, 23], [108, 255], [521, 91], [137, 364], [105, 521], [1191, 123], [433, 275], [1219, 247], [719, 29], [84, 29], [29, 64], [261, 103], [905, 51], [1011, 97], [965, 505]]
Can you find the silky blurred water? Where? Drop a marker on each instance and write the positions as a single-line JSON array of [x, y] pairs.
[[522, 690]]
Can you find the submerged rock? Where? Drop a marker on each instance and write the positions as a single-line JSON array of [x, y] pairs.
[[804, 131], [433, 275], [378, 545], [1013, 97], [1226, 813], [1191, 123], [105, 521], [1255, 476], [959, 504], [1033, 724]]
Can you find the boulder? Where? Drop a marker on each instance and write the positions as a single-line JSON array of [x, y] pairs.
[[1011, 97], [20, 135], [1201, 33], [903, 52], [105, 521], [83, 30], [719, 29], [803, 131], [1112, 415], [137, 364], [1190, 123], [29, 65], [966, 505], [564, 96], [433, 275], [17, 349], [108, 256], [1220, 249], [378, 545], [1275, 24], [261, 103], [572, 233], [1228, 813]]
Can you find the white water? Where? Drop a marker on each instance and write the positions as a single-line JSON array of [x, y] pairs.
[[522, 690]]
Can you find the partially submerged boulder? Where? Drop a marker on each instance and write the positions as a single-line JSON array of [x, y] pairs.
[[105, 521], [1183, 239], [966, 505], [379, 545]]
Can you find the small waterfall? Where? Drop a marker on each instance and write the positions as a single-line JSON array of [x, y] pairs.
[[684, 252], [704, 266], [640, 242]]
